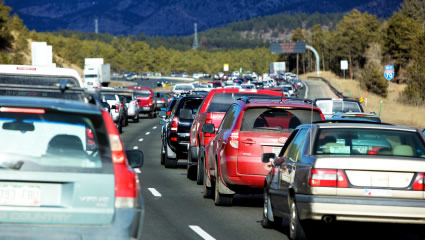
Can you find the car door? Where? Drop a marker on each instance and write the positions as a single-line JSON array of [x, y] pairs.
[[288, 169]]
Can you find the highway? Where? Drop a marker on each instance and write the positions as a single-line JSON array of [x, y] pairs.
[[175, 208]]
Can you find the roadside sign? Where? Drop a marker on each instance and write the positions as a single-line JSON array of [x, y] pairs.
[[287, 47], [344, 65], [389, 72], [226, 67]]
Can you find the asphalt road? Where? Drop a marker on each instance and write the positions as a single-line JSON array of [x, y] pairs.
[[175, 208]]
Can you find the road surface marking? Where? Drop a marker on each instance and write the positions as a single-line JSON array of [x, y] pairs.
[[140, 139], [154, 127], [148, 133], [135, 147], [201, 232], [306, 90], [154, 192]]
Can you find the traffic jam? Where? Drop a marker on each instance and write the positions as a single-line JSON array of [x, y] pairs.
[[67, 174]]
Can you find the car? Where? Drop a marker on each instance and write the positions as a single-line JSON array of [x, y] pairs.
[[334, 172], [176, 135], [147, 103], [248, 86], [183, 87], [330, 106], [258, 84], [184, 75], [250, 128], [373, 117], [216, 84], [289, 88], [212, 110], [117, 109], [131, 103], [58, 156], [161, 99], [233, 86]]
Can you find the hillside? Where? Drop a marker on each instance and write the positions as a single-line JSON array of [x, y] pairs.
[[171, 17]]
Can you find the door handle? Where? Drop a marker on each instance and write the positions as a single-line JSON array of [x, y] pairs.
[[248, 141]]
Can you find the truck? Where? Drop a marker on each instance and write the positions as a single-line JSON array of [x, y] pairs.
[[277, 67], [96, 73]]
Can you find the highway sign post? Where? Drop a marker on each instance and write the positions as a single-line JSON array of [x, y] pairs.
[[389, 72], [226, 67], [344, 66]]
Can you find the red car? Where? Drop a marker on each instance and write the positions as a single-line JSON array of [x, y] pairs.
[[212, 111], [250, 128], [147, 103]]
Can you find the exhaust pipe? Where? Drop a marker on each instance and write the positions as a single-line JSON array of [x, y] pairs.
[[328, 219]]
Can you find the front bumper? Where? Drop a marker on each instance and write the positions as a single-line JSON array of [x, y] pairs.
[[361, 209]]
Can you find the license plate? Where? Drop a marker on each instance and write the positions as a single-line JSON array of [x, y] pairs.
[[276, 150], [15, 195], [378, 192]]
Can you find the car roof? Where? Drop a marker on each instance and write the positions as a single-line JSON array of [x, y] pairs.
[[49, 103], [286, 102], [336, 99], [348, 124]]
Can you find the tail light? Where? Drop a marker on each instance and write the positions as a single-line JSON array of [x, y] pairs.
[[150, 101], [418, 184], [125, 178], [328, 178], [168, 113], [175, 124], [163, 100], [117, 109], [234, 139]]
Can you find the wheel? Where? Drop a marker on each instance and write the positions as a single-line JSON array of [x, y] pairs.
[[200, 171], [266, 223], [169, 162], [150, 115], [190, 170], [162, 155], [207, 193], [126, 122], [221, 199], [120, 127], [296, 231]]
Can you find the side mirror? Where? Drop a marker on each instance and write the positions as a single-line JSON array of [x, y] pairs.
[[267, 157], [135, 158], [162, 122], [208, 128], [162, 114]]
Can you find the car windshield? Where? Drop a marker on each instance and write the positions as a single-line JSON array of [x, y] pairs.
[[188, 108], [267, 119], [109, 97], [51, 142], [348, 141], [143, 93], [38, 80]]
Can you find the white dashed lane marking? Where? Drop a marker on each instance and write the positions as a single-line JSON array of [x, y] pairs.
[[148, 133], [154, 192], [135, 147], [154, 127], [201, 232], [140, 139]]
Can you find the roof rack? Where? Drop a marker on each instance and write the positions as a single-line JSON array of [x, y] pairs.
[[348, 120]]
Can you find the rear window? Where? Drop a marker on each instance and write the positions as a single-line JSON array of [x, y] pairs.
[[38, 80], [184, 87], [383, 142], [188, 108], [54, 142], [276, 119], [222, 101], [109, 97], [69, 95], [338, 106], [143, 93]]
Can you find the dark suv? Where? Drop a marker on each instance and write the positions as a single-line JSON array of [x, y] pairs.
[[176, 136]]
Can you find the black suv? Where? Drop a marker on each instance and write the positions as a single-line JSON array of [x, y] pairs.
[[176, 133]]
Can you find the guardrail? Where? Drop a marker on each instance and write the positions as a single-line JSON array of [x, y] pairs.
[[336, 91]]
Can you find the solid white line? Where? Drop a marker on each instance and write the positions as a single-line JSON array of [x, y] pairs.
[[154, 127], [154, 192], [140, 139], [201, 232], [135, 147], [148, 133], [306, 90]]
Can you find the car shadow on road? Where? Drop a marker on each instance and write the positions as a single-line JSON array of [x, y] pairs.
[[251, 200]]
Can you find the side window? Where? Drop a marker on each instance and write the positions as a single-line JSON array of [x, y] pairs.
[[229, 118], [291, 152]]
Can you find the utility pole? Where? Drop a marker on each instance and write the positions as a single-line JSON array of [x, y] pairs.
[[96, 25], [195, 44]]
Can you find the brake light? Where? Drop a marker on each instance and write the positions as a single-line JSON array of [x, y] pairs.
[[150, 101], [175, 124], [328, 178], [22, 110], [168, 113], [208, 121], [163, 100], [418, 184], [234, 139], [125, 178], [174, 139], [117, 109]]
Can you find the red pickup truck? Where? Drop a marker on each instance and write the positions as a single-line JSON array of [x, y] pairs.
[[147, 103], [212, 111]]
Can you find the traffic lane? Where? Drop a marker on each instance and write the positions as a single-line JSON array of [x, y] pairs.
[[318, 89], [181, 204]]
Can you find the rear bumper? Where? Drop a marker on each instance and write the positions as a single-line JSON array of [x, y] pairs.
[[146, 109], [245, 183], [361, 209], [127, 224]]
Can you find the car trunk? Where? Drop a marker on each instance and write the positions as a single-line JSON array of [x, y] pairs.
[[56, 198], [144, 101], [377, 176]]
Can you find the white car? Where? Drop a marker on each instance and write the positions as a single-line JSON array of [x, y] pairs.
[[183, 87]]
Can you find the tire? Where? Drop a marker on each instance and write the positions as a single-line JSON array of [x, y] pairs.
[[296, 231], [150, 115], [266, 223], [169, 162], [190, 170], [200, 172], [162, 161], [126, 121], [120, 127], [136, 118], [207, 193], [221, 199]]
